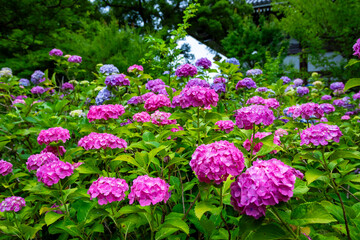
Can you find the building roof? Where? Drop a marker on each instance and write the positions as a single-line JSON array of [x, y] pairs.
[[259, 3]]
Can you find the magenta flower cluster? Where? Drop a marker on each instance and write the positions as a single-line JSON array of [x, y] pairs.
[[257, 147], [326, 97], [117, 80], [225, 125], [105, 112], [186, 70], [75, 59], [220, 80], [204, 63], [37, 90], [52, 172], [5, 167], [53, 135], [301, 91], [327, 108], [216, 161], [246, 83], [306, 111], [12, 204], [135, 68], [37, 160], [320, 134], [162, 118], [153, 83], [108, 190], [101, 140], [147, 190], [67, 86], [56, 52], [141, 117], [54, 150], [356, 48], [197, 82], [246, 117], [265, 183], [196, 97], [157, 101]]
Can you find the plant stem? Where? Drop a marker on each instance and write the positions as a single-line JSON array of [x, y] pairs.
[[62, 198], [198, 121], [283, 222], [191, 205], [252, 143]]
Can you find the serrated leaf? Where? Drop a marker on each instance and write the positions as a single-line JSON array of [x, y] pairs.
[[203, 207], [310, 213], [177, 223], [312, 175], [126, 158], [52, 217], [344, 154]]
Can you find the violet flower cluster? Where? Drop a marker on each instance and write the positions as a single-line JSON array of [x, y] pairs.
[[204, 63], [265, 183], [67, 86], [306, 111], [219, 87], [157, 101], [52, 172], [216, 161], [246, 117], [356, 48], [108, 69], [285, 79], [186, 70], [320, 134], [153, 83], [327, 108], [147, 190], [24, 82], [302, 91], [219, 80], [37, 160], [12, 204], [101, 140], [53, 135], [298, 82], [337, 86], [105, 112], [108, 190], [54, 150], [56, 52], [37, 77], [103, 95], [162, 118], [197, 82], [37, 90], [246, 83], [75, 59], [117, 80], [225, 125], [196, 97], [254, 72], [233, 61], [5, 167], [326, 97]]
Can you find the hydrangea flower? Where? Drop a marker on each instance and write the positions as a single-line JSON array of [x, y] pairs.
[[257, 147], [302, 91], [103, 95], [203, 62], [255, 100], [261, 89], [298, 82], [219, 87], [5, 167], [37, 160], [339, 102], [196, 97], [117, 80], [246, 117], [246, 82], [327, 108], [272, 103], [105, 112], [225, 125], [108, 190], [220, 80], [24, 82], [161, 89], [326, 97], [320, 134], [147, 190], [108, 69], [67, 86], [37, 77], [290, 88], [148, 95], [265, 183], [186, 70], [56, 52], [254, 72], [318, 84], [54, 150], [77, 113], [135, 68], [356, 48], [135, 100], [197, 82], [323, 119], [152, 83], [53, 135], [306, 111], [16, 101], [233, 61], [176, 129], [216, 161], [157, 101], [162, 118], [52, 172], [337, 86], [5, 72], [101, 140], [141, 117], [356, 96], [285, 79], [345, 117], [37, 90], [75, 59], [280, 132], [12, 204]]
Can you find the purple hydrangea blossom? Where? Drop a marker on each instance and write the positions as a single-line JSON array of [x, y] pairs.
[[285, 79], [103, 95], [153, 83], [56, 52], [203, 62], [37, 77], [117, 80], [254, 72], [233, 61], [197, 82], [337, 86], [298, 82], [186, 70], [75, 59], [326, 97], [302, 91], [24, 82], [219, 87], [108, 69], [356, 48], [246, 82]]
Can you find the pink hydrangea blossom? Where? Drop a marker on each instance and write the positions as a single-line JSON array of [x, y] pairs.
[[306, 111], [105, 112], [54, 150], [176, 129], [216, 161], [56, 52], [52, 172], [141, 117], [148, 95], [37, 90], [326, 97], [255, 100], [345, 117], [272, 103], [203, 62], [356, 96], [157, 101], [246, 83], [5, 167], [37, 160], [281, 132], [356, 48], [12, 204], [225, 125], [186, 70], [323, 119], [320, 134], [101, 140], [75, 59], [16, 101], [162, 118], [108, 190], [257, 147], [147, 190], [220, 80], [246, 117], [327, 108], [197, 97], [265, 183], [135, 68], [53, 135]]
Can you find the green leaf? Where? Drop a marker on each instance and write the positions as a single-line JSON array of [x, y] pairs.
[[18, 175], [269, 232], [177, 223], [310, 213], [181, 115], [164, 233], [52, 217], [83, 209], [352, 62], [131, 209], [126, 158], [87, 169], [148, 137], [300, 188], [353, 82], [203, 207], [344, 154], [212, 116], [312, 175]]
